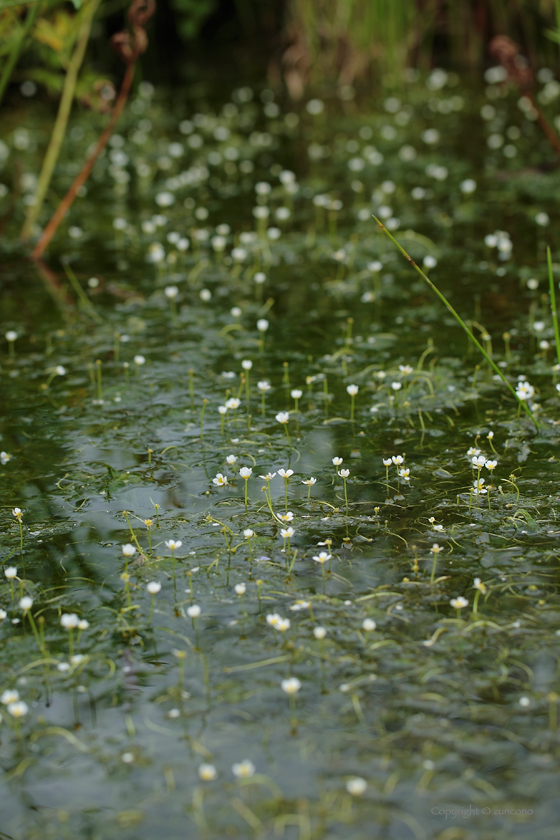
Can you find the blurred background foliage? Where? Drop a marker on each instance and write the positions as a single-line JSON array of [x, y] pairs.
[[296, 43]]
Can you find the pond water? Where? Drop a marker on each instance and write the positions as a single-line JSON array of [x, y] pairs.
[[365, 647]]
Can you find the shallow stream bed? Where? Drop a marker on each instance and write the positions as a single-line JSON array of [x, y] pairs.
[[261, 588]]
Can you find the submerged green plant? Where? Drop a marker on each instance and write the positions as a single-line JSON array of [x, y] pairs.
[[521, 403]]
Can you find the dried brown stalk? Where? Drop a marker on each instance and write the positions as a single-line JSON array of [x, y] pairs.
[[129, 45], [507, 52]]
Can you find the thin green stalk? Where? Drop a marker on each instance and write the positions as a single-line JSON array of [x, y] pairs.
[[434, 288], [553, 300], [204, 404], [82, 297], [16, 50], [59, 128]]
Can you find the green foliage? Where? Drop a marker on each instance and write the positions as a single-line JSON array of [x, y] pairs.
[[342, 40], [191, 16]]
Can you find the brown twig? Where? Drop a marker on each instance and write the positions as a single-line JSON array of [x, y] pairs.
[[129, 45], [507, 52]]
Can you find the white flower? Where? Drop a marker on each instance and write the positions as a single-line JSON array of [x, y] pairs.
[[139, 360], [285, 473], [300, 605], [4, 457], [220, 480], [468, 186], [244, 770], [478, 461], [524, 391], [344, 473], [268, 476], [153, 587], [263, 385], [387, 462], [26, 603], [248, 533], [352, 390], [272, 619], [171, 292], [83, 624], [10, 572], [322, 557], [11, 335], [245, 472], [128, 550], [405, 369], [60, 370], [337, 461], [286, 517], [69, 620], [262, 325], [282, 624], [291, 685], [240, 588], [18, 709], [404, 474], [231, 459], [233, 403], [207, 772], [246, 364], [368, 624], [479, 585], [194, 611], [319, 632], [9, 696], [286, 533], [18, 513], [309, 481], [397, 460], [3, 614], [435, 549], [491, 465], [356, 786], [296, 393], [479, 488], [282, 416], [396, 386], [459, 603], [173, 545]]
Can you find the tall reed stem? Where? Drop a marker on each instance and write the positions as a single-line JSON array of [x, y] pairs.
[[59, 129], [83, 175]]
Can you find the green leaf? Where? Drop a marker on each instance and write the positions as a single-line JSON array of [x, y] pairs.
[[553, 35]]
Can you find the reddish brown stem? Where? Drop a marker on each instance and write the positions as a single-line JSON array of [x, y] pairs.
[[85, 172]]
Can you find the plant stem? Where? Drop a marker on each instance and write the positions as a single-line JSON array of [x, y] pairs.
[[59, 128], [458, 318], [553, 301]]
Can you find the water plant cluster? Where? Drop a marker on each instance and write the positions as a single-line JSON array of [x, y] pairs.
[[279, 550]]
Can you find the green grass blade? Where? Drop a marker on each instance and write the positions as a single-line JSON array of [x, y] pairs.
[[458, 318], [553, 303]]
